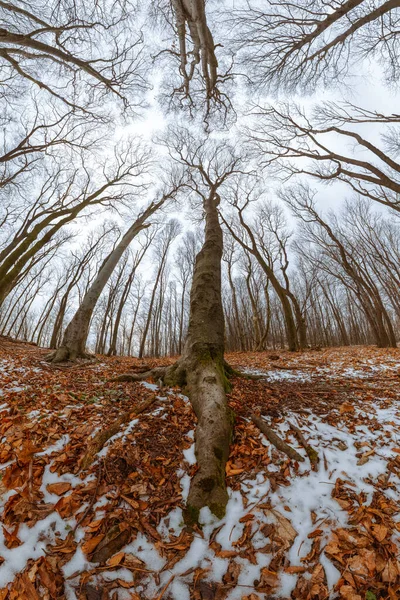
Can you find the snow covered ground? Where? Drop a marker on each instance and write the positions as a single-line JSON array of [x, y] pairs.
[[290, 530]]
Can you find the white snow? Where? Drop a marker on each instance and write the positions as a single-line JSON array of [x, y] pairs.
[[58, 445], [34, 541], [309, 492]]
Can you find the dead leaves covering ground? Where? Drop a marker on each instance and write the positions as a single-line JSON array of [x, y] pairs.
[[68, 531]]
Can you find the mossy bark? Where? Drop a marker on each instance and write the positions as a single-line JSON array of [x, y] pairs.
[[202, 369], [201, 373]]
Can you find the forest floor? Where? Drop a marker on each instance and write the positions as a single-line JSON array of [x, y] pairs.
[[115, 530]]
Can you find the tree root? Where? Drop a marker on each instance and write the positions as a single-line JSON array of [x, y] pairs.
[[64, 354], [311, 453], [156, 374], [274, 439], [203, 377], [232, 372], [97, 443]]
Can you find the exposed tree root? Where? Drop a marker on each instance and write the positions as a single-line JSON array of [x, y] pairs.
[[311, 453], [203, 377], [274, 439], [232, 372], [156, 374], [207, 384], [97, 443], [65, 354]]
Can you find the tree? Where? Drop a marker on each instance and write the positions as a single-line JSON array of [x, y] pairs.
[[339, 250], [73, 275], [184, 261], [73, 344], [292, 46], [64, 194], [164, 241], [75, 52], [237, 328], [266, 240], [137, 259], [195, 77], [201, 369], [292, 143]]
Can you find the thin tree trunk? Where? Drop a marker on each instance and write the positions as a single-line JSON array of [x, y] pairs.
[[73, 344]]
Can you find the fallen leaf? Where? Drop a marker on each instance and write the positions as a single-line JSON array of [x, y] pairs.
[[92, 543], [379, 532], [116, 559], [58, 488]]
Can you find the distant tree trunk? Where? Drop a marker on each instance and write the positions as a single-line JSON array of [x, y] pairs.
[[181, 318], [73, 344], [264, 338], [133, 325], [150, 311], [300, 322], [281, 292], [237, 319]]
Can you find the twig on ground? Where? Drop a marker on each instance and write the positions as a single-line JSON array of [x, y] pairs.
[[274, 439], [92, 501], [311, 453]]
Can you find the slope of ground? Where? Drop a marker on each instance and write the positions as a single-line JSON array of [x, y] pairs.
[[113, 529]]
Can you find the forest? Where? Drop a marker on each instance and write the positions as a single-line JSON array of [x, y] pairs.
[[199, 300]]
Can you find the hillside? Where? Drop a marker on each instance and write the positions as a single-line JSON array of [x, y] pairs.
[[109, 525]]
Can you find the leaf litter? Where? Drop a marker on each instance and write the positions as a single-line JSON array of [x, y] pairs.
[[313, 530]]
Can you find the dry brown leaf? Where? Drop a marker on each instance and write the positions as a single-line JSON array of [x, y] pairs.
[[58, 488], [347, 592], [92, 543], [283, 528], [379, 532], [391, 571], [116, 559]]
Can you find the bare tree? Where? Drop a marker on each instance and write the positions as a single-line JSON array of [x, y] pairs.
[[62, 197], [185, 260], [74, 274], [73, 343], [202, 368], [339, 250], [137, 259], [266, 240], [76, 52], [297, 45], [195, 79], [164, 241], [292, 143]]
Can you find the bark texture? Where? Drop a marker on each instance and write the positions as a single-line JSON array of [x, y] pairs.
[[201, 371], [201, 368]]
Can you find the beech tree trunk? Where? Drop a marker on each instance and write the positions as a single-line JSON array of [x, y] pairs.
[[201, 372], [75, 336], [201, 368]]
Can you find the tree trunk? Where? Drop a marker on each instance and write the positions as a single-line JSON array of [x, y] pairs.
[[201, 371], [300, 321], [150, 312], [73, 344], [203, 363]]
